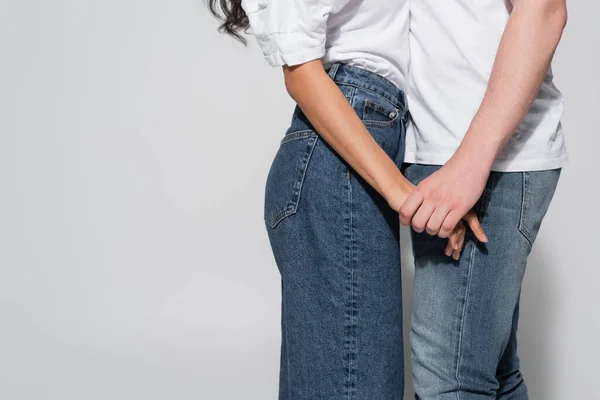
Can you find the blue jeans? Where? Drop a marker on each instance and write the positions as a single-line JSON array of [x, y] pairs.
[[336, 245], [464, 323]]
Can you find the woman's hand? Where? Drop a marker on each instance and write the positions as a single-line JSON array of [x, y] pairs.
[[456, 240]]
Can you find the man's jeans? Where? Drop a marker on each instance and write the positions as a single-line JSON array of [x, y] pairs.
[[336, 245], [465, 316]]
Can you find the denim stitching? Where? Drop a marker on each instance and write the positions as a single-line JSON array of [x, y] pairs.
[[522, 227], [380, 124], [298, 135], [385, 96], [485, 198], [350, 385], [377, 107], [462, 322], [284, 309], [348, 264], [352, 304]]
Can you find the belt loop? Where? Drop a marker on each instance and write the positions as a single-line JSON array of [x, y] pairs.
[[333, 70], [406, 116], [406, 111]]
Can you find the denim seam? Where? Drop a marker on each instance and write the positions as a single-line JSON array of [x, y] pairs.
[[400, 106], [351, 305], [298, 135], [522, 227], [284, 308], [462, 321], [380, 124], [485, 198], [352, 292]]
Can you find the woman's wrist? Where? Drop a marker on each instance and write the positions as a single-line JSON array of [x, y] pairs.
[[397, 192]]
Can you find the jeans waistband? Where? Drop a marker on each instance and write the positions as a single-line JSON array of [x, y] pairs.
[[359, 77]]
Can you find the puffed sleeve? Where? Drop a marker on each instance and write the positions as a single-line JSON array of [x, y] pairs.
[[290, 32]]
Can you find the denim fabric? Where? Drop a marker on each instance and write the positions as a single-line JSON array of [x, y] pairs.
[[336, 245], [465, 315]]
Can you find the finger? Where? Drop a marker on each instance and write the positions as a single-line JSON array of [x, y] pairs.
[[410, 207], [475, 225], [452, 243], [456, 254], [453, 240], [457, 236], [437, 218], [421, 218], [461, 240], [449, 224], [449, 248]]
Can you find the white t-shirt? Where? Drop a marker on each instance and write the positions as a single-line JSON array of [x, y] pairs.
[[369, 34], [453, 47]]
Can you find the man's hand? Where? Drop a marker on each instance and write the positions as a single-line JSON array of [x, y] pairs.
[[447, 196]]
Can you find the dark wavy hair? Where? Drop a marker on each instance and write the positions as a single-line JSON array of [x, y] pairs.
[[232, 15]]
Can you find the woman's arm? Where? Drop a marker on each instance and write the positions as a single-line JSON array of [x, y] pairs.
[[337, 123]]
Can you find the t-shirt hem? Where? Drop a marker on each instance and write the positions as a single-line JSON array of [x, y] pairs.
[[516, 165]]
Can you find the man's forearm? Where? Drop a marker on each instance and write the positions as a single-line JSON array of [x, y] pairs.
[[528, 44]]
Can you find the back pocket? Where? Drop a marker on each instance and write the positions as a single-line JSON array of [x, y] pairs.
[[286, 176]]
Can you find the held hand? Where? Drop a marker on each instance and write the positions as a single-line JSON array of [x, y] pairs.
[[440, 201], [397, 195], [456, 240]]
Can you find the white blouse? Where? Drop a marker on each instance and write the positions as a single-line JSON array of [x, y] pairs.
[[369, 34]]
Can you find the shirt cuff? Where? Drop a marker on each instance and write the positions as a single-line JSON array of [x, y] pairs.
[[293, 48], [291, 59]]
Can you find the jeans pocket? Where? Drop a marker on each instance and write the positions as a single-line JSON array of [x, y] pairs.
[[286, 176], [538, 190], [383, 120], [379, 114]]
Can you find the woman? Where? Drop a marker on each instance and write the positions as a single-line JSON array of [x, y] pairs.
[[334, 190]]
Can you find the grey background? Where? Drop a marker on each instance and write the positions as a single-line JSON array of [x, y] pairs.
[[134, 264]]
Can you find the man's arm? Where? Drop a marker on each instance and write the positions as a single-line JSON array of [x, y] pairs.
[[532, 34]]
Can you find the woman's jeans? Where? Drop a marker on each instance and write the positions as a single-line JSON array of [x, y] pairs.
[[464, 322], [336, 245]]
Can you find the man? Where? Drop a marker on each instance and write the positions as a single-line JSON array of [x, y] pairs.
[[483, 106]]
